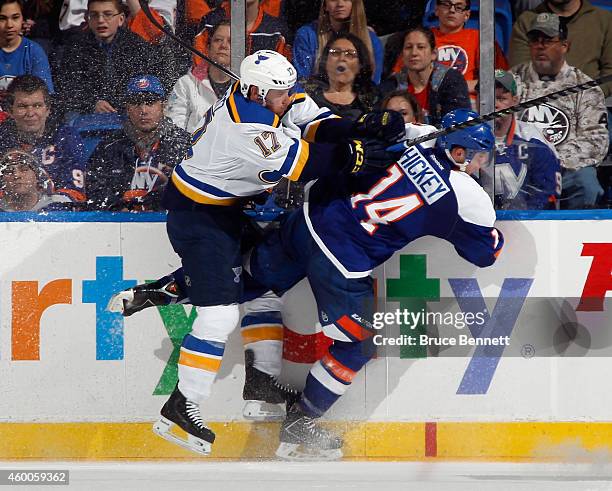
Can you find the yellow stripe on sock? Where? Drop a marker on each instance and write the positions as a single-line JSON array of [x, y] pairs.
[[201, 362], [265, 333]]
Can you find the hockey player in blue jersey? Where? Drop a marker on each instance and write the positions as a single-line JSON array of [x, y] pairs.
[[348, 226], [527, 168], [252, 137]]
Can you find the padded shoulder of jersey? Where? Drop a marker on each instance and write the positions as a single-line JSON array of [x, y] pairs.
[[241, 110], [473, 203]]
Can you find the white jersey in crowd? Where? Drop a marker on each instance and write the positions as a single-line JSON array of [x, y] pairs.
[[241, 148]]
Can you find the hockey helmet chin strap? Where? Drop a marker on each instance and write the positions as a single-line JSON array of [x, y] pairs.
[[481, 157]]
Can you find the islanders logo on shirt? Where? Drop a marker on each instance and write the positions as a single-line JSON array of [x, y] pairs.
[[552, 122], [454, 56]]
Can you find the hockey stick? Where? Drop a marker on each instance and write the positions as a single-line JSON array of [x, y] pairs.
[[400, 146], [144, 5]]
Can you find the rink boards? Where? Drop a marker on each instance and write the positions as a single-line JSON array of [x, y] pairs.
[[79, 382]]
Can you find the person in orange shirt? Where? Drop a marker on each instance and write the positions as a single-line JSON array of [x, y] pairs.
[[263, 30], [457, 46]]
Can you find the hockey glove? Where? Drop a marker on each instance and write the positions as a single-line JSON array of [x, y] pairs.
[[385, 125], [368, 156]]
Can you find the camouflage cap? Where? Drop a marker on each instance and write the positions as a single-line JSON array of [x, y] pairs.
[[549, 25]]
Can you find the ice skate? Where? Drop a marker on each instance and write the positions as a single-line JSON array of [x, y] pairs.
[[179, 414], [140, 297], [301, 438], [265, 397]]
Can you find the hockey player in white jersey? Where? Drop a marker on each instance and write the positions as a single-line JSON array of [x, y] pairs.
[[349, 226], [251, 138]]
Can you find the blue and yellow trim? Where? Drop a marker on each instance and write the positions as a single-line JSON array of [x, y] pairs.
[[241, 110], [296, 160], [310, 130], [201, 361]]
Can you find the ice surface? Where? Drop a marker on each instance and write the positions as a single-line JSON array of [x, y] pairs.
[[371, 476]]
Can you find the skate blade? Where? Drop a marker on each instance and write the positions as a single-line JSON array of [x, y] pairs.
[[263, 411], [118, 300], [167, 430], [304, 453]]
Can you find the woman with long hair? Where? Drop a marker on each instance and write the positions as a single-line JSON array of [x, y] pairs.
[[335, 16], [344, 79], [437, 88]]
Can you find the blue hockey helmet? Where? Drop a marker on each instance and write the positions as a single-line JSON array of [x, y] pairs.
[[477, 139]]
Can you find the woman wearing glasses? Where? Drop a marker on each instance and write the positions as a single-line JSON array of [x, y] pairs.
[[335, 16], [437, 88], [343, 83]]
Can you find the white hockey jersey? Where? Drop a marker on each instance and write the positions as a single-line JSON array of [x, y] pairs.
[[241, 148]]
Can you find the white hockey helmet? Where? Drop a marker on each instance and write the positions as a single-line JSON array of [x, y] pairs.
[[266, 69]]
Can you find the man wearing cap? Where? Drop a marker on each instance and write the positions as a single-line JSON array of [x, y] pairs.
[[527, 170], [574, 124], [128, 170], [589, 31]]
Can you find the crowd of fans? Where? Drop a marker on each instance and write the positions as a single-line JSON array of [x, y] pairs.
[[59, 63]]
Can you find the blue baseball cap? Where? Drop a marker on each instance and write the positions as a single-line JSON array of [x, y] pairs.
[[145, 84]]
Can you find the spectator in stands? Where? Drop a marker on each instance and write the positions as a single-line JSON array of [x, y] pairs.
[[196, 91], [406, 104], [18, 55], [344, 80], [575, 124], [58, 149], [437, 88], [458, 47], [128, 170], [95, 70], [335, 16], [25, 185], [527, 169], [264, 31], [589, 31]]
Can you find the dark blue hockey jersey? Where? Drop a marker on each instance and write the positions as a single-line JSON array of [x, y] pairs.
[[527, 170], [359, 222]]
